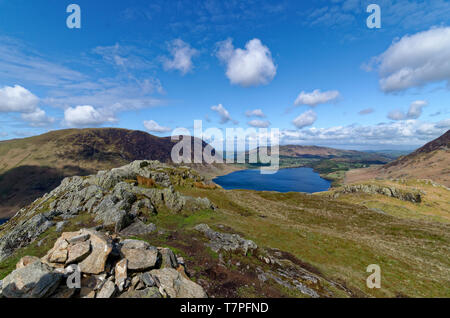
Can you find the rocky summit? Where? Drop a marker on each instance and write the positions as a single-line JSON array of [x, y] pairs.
[[116, 198], [91, 264]]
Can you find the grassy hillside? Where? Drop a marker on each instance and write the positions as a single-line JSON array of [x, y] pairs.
[[341, 239], [432, 161]]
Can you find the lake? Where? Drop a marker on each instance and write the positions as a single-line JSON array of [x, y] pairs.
[[285, 180], [3, 221]]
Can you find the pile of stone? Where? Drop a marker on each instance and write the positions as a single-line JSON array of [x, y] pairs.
[[91, 264]]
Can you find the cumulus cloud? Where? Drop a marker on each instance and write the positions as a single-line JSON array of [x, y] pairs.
[[306, 119], [153, 126], [38, 118], [84, 116], [223, 113], [259, 123], [316, 97], [415, 60], [182, 54], [17, 99], [414, 112], [366, 111], [255, 113], [251, 66]]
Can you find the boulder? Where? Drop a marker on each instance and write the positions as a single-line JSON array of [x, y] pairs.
[[225, 241], [101, 247], [37, 280], [140, 255], [108, 290], [138, 228], [177, 286], [26, 260], [78, 252]]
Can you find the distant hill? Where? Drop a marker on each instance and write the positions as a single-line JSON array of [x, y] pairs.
[[32, 166], [331, 153], [432, 161]]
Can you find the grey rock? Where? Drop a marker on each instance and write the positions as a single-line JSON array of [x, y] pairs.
[[140, 255], [168, 258], [177, 286], [138, 228], [148, 279], [79, 238], [108, 290], [36, 280], [23, 234], [60, 225], [151, 292], [225, 241]]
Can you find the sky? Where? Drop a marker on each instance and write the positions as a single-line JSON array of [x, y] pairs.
[[312, 69]]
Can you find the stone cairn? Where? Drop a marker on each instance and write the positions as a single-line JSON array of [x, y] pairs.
[[92, 264]]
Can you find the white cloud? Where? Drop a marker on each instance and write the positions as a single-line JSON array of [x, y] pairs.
[[415, 60], [414, 112], [407, 132], [255, 113], [259, 123], [84, 116], [306, 119], [223, 113], [38, 118], [17, 99], [182, 54], [153, 126], [251, 66], [316, 97]]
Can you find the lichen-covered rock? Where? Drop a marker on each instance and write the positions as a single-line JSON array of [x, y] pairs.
[[410, 196], [101, 247], [78, 251], [26, 260], [225, 241], [140, 255], [108, 290], [36, 280], [120, 273], [150, 292], [138, 228], [177, 286]]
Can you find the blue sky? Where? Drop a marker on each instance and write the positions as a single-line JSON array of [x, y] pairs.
[[313, 69]]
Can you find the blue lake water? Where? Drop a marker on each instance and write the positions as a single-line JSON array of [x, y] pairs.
[[285, 180], [3, 221]]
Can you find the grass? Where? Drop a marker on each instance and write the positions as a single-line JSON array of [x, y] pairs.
[[342, 239]]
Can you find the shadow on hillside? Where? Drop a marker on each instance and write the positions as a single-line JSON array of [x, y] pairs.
[[22, 185]]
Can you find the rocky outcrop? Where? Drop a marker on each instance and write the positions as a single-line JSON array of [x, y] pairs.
[[113, 197], [415, 197], [111, 267], [225, 241], [36, 280]]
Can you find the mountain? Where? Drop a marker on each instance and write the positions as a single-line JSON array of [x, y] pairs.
[[331, 153], [32, 166], [431, 161], [316, 152]]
